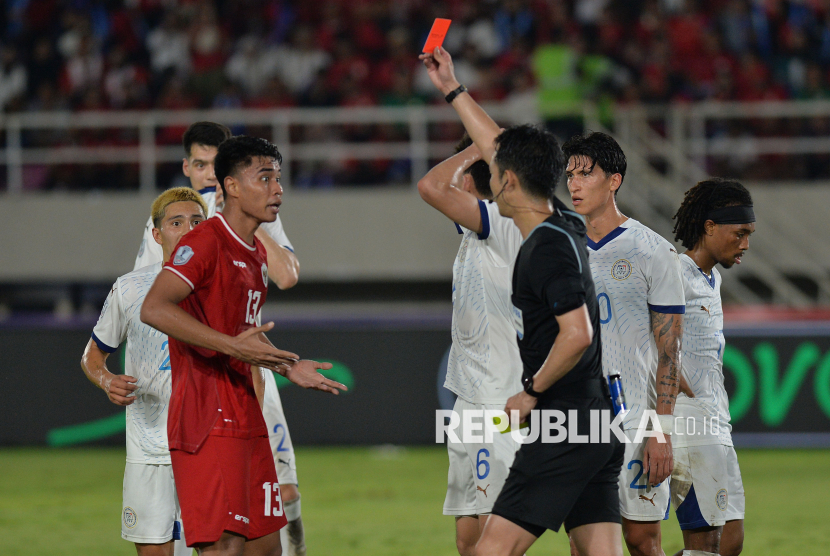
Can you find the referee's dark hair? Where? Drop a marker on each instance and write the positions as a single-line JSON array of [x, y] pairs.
[[601, 149], [209, 134], [238, 152], [478, 170], [712, 193], [533, 154]]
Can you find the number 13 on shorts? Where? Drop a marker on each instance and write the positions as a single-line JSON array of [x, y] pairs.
[[272, 504]]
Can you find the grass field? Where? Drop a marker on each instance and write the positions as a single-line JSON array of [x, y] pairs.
[[371, 502]]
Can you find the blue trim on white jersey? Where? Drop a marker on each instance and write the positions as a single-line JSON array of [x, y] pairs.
[[485, 220], [557, 228], [457, 227], [688, 513], [614, 234], [287, 247], [668, 309], [211, 189], [103, 347], [710, 281]]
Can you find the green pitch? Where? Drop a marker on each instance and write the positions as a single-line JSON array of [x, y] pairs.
[[370, 502]]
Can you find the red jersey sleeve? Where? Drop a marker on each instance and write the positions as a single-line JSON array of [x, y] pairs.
[[195, 258]]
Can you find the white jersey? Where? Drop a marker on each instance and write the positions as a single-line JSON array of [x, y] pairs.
[[635, 271], [702, 362], [484, 365], [150, 252], [147, 359]]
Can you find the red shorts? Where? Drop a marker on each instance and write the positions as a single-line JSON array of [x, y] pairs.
[[230, 484]]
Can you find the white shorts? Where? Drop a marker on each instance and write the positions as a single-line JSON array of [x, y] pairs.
[[477, 470], [150, 513], [278, 434], [638, 500], [706, 486]]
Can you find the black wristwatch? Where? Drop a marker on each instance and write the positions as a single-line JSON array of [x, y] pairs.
[[454, 93], [528, 384]]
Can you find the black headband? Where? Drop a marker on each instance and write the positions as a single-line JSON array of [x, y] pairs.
[[732, 215]]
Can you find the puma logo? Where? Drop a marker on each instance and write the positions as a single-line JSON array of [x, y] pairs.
[[484, 490], [703, 308], [672, 250], [282, 461], [646, 498]]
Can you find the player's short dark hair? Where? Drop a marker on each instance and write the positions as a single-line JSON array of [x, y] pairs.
[[601, 149], [238, 152], [209, 134], [533, 154], [707, 195], [478, 170]]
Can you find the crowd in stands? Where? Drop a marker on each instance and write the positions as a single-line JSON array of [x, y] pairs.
[[86, 55]]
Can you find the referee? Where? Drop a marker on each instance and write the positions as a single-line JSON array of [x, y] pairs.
[[556, 316]]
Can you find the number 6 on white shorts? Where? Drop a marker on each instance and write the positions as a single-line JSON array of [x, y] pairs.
[[268, 488]]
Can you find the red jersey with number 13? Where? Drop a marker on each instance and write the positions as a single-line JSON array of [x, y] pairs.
[[213, 393]]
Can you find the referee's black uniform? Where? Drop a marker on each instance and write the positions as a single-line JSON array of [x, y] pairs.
[[550, 484]]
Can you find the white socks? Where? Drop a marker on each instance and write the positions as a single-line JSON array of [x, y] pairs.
[[698, 553]]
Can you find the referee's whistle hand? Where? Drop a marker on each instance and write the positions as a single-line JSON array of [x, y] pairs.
[[658, 460], [521, 402], [304, 373]]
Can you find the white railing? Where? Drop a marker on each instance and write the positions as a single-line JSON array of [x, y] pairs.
[[682, 145], [147, 153]]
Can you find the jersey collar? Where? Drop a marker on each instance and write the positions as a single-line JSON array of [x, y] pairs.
[[609, 237], [234, 234]]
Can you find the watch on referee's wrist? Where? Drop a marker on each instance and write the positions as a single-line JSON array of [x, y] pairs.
[[454, 93], [528, 384]]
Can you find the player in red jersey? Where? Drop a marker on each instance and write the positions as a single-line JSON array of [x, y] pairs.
[[208, 303]]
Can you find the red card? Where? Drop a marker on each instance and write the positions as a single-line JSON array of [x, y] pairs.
[[437, 34]]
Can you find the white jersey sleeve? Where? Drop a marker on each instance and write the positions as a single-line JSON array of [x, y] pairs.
[[276, 232], [150, 252], [665, 281], [111, 329], [502, 235]]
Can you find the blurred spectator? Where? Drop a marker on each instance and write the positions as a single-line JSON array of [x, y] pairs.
[[12, 77], [301, 60]]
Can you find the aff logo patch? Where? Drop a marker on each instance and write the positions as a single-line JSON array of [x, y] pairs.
[[129, 517], [722, 499], [265, 274], [621, 269], [183, 254]]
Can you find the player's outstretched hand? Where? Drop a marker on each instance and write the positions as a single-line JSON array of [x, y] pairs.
[[119, 388], [248, 347], [304, 373], [658, 460], [440, 70]]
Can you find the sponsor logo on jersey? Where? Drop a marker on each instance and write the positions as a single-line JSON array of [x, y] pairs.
[[240, 264], [183, 254], [703, 308], [265, 274], [647, 499], [242, 518], [621, 269], [722, 499], [130, 517]]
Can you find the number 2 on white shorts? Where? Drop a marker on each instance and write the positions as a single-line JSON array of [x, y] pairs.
[[277, 507]]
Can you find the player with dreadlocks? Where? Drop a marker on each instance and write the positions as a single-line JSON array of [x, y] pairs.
[[714, 224]]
